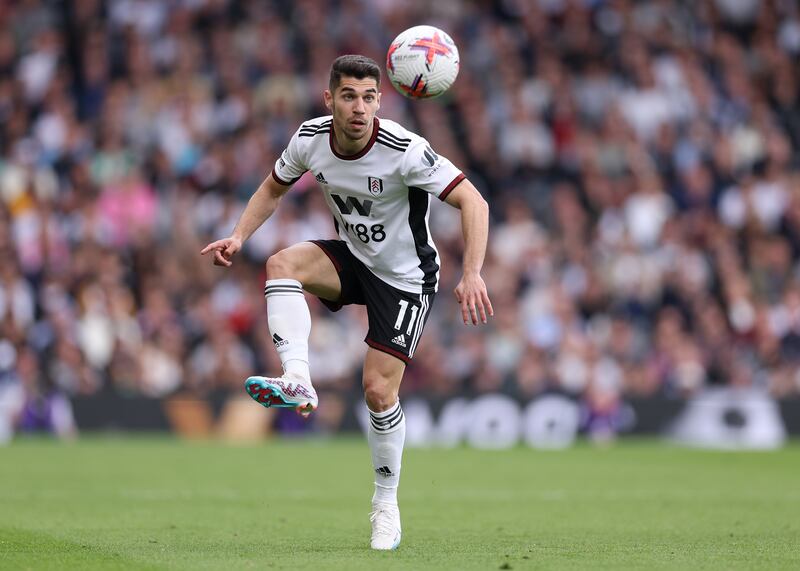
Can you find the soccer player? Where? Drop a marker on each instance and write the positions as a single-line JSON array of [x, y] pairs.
[[377, 179]]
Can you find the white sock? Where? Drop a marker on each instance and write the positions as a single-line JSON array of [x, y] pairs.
[[289, 323], [386, 436]]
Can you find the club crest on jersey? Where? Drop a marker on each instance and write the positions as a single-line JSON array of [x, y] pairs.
[[375, 185]]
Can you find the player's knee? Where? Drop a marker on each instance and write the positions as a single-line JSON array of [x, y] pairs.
[[281, 266], [379, 393]]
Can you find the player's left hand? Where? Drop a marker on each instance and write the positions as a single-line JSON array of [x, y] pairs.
[[472, 295]]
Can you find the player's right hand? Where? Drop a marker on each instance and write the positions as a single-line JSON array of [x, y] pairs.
[[223, 250]]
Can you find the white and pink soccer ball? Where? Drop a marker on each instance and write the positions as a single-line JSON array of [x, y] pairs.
[[422, 62]]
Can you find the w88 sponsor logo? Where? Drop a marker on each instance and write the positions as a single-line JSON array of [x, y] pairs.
[[350, 204]]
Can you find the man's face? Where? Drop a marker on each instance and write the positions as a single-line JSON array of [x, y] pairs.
[[354, 104]]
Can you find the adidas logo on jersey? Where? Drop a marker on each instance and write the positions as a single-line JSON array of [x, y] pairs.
[[278, 340], [400, 340], [321, 179]]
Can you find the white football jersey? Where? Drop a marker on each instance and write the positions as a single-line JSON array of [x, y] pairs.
[[379, 197]]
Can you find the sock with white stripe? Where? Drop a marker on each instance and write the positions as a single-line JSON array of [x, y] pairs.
[[289, 323], [386, 435]]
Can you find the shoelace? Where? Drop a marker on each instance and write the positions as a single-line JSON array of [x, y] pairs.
[[383, 518]]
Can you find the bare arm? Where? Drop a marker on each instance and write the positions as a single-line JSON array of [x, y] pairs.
[[260, 207], [471, 290]]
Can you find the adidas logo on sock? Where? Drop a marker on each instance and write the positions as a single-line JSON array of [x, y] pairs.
[[278, 340], [400, 340], [321, 179], [384, 471]]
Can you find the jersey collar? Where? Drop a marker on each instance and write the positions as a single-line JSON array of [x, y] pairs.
[[362, 152]]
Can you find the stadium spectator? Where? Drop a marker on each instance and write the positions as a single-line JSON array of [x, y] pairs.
[[642, 160]]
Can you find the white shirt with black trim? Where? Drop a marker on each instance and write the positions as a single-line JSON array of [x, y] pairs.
[[379, 197]]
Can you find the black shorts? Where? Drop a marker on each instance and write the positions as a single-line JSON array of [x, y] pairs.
[[396, 317]]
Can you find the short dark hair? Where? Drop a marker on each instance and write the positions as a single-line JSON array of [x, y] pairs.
[[353, 65]]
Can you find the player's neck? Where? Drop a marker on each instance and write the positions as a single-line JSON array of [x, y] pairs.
[[347, 146]]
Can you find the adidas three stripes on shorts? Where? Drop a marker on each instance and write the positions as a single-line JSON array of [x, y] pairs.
[[396, 317]]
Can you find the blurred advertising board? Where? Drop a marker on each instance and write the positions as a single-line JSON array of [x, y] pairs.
[[716, 418]]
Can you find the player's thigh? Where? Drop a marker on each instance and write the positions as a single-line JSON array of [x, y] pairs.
[[382, 376], [310, 265]]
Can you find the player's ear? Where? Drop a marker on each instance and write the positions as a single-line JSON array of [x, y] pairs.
[[327, 96]]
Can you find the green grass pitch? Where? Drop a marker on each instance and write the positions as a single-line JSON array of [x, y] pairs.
[[159, 503]]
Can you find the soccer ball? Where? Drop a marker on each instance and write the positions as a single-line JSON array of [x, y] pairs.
[[422, 62]]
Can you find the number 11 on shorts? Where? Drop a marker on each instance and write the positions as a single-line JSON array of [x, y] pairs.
[[402, 313]]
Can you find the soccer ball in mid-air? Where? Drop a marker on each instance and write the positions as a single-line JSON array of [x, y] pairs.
[[422, 62]]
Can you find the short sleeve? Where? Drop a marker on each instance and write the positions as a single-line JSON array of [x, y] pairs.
[[433, 173], [290, 166]]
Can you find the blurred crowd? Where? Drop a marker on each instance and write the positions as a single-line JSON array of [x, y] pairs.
[[641, 160]]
